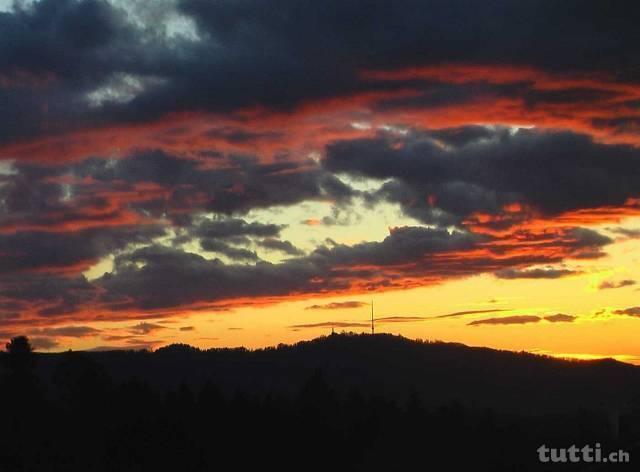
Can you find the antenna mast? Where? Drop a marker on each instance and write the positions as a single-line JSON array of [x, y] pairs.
[[372, 326]]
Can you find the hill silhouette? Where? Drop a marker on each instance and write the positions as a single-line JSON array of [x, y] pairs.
[[386, 365], [341, 402]]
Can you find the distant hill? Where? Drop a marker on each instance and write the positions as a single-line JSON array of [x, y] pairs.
[[384, 365]]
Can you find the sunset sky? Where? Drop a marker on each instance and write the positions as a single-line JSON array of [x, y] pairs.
[[248, 173]]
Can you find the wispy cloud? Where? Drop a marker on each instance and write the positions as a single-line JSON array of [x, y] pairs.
[[507, 320], [608, 284], [331, 324], [400, 319], [560, 318], [540, 273], [338, 305], [525, 319], [468, 313]]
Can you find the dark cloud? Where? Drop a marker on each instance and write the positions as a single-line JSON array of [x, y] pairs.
[[50, 252], [460, 137], [64, 48], [146, 328], [431, 94], [576, 95], [53, 35], [200, 279], [540, 273], [560, 318], [215, 236], [225, 228], [278, 245], [406, 34], [68, 331], [236, 135], [146, 278], [148, 275], [213, 245], [553, 172], [338, 305], [401, 246], [250, 53], [39, 265], [148, 187], [56, 295], [608, 284], [187, 328], [507, 320], [239, 185], [633, 311]]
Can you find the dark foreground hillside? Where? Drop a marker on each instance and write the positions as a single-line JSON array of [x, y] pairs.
[[344, 402]]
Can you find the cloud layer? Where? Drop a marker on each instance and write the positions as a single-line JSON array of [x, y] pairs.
[[160, 160]]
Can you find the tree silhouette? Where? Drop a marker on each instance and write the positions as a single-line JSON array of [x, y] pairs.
[[22, 408], [19, 359]]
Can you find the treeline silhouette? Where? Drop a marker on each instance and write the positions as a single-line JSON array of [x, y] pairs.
[[343, 402]]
